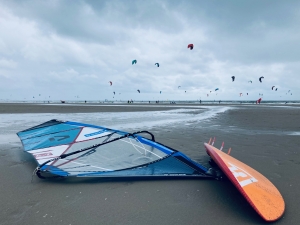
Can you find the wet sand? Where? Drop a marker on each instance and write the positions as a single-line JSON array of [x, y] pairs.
[[78, 108], [258, 136]]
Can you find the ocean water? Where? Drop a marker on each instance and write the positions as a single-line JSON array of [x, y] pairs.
[[146, 102], [200, 116], [10, 124]]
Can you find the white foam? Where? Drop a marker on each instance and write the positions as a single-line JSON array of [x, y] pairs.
[[12, 123], [294, 133]]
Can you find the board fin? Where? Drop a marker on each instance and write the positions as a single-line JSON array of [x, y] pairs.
[[262, 195]]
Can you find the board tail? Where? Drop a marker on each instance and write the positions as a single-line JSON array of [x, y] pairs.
[[262, 195]]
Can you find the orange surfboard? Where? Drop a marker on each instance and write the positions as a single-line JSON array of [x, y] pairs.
[[262, 195]]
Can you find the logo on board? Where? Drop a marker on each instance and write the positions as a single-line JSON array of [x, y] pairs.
[[243, 177]]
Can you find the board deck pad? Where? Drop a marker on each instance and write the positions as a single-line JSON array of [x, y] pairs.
[[262, 195]]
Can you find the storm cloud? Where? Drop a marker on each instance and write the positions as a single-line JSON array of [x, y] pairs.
[[53, 50]]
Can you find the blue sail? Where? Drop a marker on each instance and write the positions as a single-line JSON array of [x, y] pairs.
[[66, 148]]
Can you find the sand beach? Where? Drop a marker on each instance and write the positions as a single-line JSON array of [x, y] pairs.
[[266, 137]]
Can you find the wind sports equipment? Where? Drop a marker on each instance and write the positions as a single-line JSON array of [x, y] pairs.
[[261, 194], [190, 46], [65, 148]]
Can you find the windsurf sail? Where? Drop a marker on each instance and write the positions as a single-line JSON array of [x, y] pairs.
[[83, 150]]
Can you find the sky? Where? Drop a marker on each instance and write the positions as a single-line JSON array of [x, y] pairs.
[[71, 50]]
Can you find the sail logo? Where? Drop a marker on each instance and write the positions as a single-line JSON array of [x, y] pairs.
[[43, 154], [93, 134], [243, 177]]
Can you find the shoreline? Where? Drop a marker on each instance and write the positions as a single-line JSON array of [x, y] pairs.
[[18, 108]]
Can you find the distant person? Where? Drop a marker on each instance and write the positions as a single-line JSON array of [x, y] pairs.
[[200, 101], [84, 101]]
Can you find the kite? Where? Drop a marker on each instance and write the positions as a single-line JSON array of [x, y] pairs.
[[233, 78], [250, 81], [134, 61], [260, 79], [139, 91], [157, 64], [110, 83], [273, 87], [191, 46]]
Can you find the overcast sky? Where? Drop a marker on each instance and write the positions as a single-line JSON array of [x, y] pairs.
[[53, 50]]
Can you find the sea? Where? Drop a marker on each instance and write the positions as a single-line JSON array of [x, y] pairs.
[[192, 114]]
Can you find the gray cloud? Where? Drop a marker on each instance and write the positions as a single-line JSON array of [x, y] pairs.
[[63, 49]]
